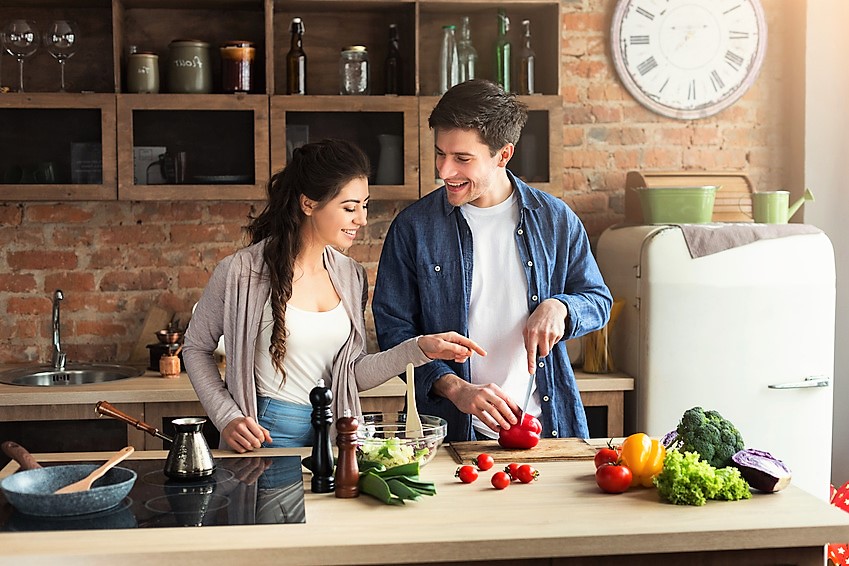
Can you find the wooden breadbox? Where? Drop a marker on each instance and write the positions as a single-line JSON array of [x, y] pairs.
[[733, 201]]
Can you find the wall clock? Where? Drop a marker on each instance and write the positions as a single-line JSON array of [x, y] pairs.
[[688, 59]]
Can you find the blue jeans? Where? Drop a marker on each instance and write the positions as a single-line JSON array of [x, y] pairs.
[[288, 423]]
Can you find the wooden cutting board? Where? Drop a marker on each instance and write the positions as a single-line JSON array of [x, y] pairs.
[[548, 449]]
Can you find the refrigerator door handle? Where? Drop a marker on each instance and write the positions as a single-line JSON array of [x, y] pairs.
[[818, 381]]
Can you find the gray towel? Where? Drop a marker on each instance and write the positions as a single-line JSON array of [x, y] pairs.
[[707, 239]]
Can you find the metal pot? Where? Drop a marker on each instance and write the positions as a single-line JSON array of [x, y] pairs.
[[31, 491], [189, 457]]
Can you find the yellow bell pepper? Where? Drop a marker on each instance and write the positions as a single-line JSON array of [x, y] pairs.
[[644, 457]]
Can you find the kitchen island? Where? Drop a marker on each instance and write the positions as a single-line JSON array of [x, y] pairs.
[[560, 519]]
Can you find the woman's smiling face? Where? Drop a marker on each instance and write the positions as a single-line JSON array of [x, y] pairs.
[[337, 222]]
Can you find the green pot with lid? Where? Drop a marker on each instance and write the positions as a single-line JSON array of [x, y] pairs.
[[189, 67]]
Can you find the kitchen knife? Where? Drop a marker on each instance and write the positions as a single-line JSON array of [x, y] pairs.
[[527, 398]]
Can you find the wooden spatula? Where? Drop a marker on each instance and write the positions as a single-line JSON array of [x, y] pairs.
[[413, 428], [85, 483]]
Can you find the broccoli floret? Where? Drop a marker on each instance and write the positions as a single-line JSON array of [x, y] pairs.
[[713, 437]]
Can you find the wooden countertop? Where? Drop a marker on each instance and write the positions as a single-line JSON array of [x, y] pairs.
[[563, 514], [151, 388]]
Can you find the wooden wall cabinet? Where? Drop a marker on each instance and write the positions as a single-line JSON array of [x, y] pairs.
[[234, 142]]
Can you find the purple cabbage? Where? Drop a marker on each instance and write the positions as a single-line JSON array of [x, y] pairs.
[[762, 470], [669, 438]]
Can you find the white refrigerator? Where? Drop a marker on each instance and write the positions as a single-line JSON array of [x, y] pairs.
[[748, 332]]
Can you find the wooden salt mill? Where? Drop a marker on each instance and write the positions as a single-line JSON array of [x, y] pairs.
[[322, 451], [347, 470]]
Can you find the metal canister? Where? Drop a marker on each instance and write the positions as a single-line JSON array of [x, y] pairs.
[[237, 64], [354, 70], [189, 69], [143, 72]]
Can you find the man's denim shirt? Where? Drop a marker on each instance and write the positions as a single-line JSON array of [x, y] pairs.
[[424, 283]]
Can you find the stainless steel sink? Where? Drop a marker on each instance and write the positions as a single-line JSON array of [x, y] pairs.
[[71, 374]]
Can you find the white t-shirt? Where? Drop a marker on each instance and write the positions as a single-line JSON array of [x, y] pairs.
[[498, 310], [313, 339]]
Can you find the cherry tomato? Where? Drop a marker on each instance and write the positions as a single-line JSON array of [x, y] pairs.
[[526, 473], [500, 480], [609, 455], [613, 478], [484, 462], [512, 470], [467, 474]]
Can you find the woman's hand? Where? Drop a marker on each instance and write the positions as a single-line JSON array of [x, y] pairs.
[[449, 346], [243, 434]]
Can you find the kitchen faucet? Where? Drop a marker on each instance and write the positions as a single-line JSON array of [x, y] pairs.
[[58, 354]]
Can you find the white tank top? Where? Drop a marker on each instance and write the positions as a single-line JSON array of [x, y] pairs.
[[498, 309], [313, 339]]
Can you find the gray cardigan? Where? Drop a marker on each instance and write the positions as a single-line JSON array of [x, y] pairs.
[[232, 304]]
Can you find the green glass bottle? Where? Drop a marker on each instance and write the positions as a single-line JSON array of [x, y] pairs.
[[503, 52]]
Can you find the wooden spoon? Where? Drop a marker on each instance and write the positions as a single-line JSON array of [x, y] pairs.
[[85, 483], [413, 428]]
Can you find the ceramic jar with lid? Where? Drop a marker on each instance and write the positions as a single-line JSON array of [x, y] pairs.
[[189, 69], [354, 70], [143, 72], [237, 65]]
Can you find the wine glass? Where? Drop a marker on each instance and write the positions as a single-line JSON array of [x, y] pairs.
[[20, 40], [61, 41]]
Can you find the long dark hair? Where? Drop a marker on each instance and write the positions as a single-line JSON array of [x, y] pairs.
[[318, 171]]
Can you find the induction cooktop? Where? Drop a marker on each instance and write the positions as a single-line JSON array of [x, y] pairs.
[[242, 491]]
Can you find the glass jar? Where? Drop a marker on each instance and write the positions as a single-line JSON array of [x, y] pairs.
[[353, 70], [237, 64], [189, 71]]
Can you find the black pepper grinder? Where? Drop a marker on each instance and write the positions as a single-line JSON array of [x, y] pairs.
[[322, 451], [347, 470]]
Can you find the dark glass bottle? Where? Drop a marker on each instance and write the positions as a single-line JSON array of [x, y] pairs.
[[393, 63], [502, 52], [527, 59], [296, 61]]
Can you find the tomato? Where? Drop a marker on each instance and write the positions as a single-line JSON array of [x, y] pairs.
[[512, 470], [484, 462], [500, 480], [609, 455], [526, 473], [613, 478], [467, 474], [644, 457]]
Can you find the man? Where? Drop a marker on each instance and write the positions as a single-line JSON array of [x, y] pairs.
[[492, 258]]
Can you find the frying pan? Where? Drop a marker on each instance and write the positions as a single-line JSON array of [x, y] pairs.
[[31, 491]]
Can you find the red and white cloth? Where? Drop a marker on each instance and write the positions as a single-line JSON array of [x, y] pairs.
[[839, 553]]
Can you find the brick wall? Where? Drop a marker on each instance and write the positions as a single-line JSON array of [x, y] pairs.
[[114, 260]]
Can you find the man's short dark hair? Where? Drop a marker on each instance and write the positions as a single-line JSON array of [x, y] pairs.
[[483, 106]]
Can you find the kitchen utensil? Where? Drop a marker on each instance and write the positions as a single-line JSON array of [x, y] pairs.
[[85, 483], [31, 491], [413, 424], [189, 457], [548, 450], [527, 397], [377, 430]]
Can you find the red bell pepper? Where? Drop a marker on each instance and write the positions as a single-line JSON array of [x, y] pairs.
[[522, 435]]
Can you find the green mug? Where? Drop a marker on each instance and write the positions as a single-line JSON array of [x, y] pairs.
[[771, 207]]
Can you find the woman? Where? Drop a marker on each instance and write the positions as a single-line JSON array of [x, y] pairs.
[[291, 309]]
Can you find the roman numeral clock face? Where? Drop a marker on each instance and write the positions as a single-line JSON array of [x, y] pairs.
[[688, 59]]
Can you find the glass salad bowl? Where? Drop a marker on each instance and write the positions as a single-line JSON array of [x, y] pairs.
[[381, 438]]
